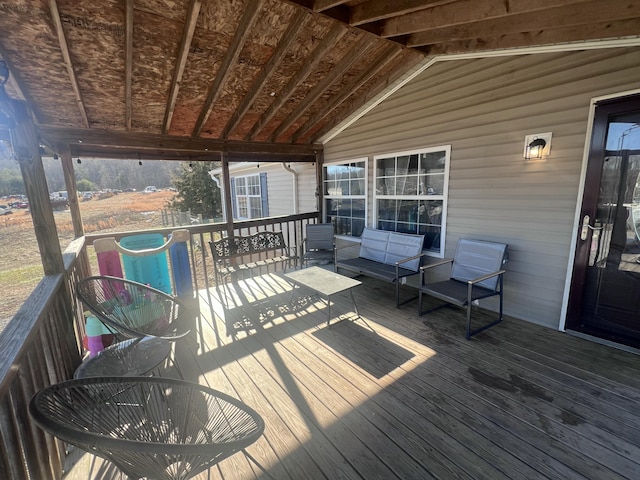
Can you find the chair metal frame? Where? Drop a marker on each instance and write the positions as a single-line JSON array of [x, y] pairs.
[[114, 288], [319, 243], [475, 274], [148, 427]]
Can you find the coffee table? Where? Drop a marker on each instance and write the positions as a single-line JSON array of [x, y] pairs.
[[325, 283]]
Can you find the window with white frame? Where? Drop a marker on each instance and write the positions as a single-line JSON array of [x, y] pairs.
[[345, 196], [411, 194], [249, 197]]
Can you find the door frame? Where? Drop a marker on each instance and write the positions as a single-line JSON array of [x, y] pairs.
[[577, 220]]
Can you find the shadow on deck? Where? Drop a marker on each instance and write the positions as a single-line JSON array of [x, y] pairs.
[[385, 396]]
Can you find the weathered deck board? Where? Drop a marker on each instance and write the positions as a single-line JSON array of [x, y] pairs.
[[387, 396]]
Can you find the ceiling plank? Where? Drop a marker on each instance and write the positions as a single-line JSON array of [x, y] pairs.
[[64, 49], [578, 33], [560, 17], [374, 10], [270, 67], [391, 52], [321, 5], [336, 32], [80, 138], [189, 29], [348, 60], [243, 31], [128, 62], [463, 11], [357, 102]]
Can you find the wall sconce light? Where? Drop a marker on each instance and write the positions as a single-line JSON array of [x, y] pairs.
[[537, 145]]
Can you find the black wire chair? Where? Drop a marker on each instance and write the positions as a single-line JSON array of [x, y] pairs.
[[129, 358], [149, 427], [133, 309]]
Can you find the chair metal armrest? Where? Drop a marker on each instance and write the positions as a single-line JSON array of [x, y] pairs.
[[436, 264], [485, 277], [352, 245], [471, 283], [439, 263], [408, 259]]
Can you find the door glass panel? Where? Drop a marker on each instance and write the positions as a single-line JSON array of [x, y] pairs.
[[611, 300]]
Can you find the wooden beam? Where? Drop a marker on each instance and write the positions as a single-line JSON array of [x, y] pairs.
[[64, 49], [321, 5], [336, 32], [594, 31], [464, 11], [374, 10], [243, 31], [559, 17], [348, 60], [189, 29], [270, 67], [128, 61], [358, 101], [391, 52], [107, 139]]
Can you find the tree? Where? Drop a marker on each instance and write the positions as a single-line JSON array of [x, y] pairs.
[[85, 185], [197, 192]]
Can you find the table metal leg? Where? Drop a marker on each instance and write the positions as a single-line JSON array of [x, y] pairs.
[[355, 306]]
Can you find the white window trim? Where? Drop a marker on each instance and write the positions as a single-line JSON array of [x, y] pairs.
[[365, 197], [247, 195], [444, 197]]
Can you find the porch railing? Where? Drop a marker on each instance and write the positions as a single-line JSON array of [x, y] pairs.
[[41, 344]]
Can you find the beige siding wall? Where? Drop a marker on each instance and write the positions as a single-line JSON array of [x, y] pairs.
[[281, 187], [484, 108]]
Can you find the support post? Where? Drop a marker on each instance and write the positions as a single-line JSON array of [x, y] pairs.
[[27, 149], [226, 181], [319, 185], [72, 192]]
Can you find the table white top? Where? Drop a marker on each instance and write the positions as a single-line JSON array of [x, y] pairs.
[[323, 281]]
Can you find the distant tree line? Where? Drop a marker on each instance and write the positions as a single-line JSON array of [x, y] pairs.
[[197, 192], [93, 174]]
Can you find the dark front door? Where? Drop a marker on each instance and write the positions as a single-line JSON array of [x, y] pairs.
[[605, 291]]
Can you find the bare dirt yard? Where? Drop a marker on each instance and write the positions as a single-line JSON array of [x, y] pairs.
[[20, 264]]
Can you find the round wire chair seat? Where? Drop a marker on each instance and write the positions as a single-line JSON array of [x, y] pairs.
[[129, 358], [149, 427], [134, 309]]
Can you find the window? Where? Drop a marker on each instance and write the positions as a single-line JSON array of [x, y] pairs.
[[250, 196], [411, 194], [345, 196]]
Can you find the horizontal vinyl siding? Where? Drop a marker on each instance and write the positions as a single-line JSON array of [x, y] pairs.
[[484, 108], [280, 183], [307, 200]]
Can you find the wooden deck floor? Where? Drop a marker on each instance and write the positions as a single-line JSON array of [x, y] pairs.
[[385, 396]]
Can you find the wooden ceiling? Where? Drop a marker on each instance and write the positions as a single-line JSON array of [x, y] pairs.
[[187, 78]]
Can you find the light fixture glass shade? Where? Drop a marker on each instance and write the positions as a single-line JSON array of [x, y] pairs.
[[536, 148], [537, 145]]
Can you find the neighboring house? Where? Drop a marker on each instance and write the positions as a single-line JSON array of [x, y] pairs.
[[268, 189]]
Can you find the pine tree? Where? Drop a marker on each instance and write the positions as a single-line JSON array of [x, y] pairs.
[[197, 192]]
